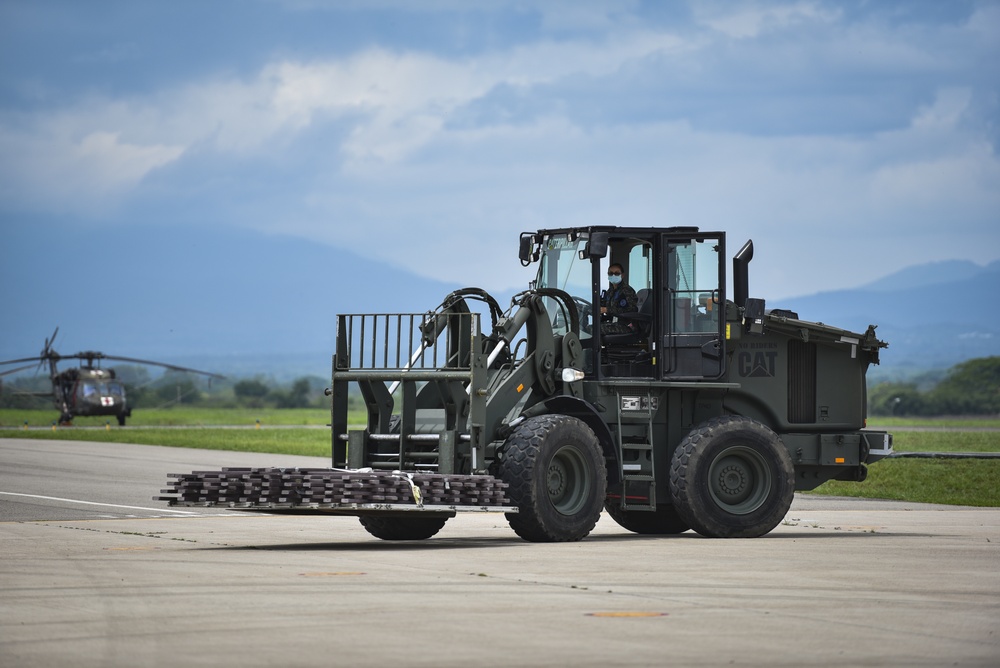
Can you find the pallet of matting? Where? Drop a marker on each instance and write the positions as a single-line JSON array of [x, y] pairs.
[[247, 488]]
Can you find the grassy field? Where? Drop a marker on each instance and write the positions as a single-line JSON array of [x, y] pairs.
[[964, 482], [285, 431], [180, 416], [302, 432]]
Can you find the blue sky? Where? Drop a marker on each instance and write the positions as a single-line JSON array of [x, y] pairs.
[[848, 139]]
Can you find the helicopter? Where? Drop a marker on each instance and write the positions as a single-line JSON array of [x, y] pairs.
[[88, 390]]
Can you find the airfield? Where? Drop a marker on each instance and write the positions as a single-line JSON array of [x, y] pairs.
[[96, 573]]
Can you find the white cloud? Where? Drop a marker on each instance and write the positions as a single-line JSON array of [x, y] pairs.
[[398, 103], [948, 107], [118, 165], [825, 211], [86, 174], [403, 181], [747, 20]]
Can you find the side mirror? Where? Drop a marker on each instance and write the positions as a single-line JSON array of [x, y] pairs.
[[524, 252], [753, 315], [597, 246]]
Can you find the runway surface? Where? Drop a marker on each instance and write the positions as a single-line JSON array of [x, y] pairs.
[[93, 572]]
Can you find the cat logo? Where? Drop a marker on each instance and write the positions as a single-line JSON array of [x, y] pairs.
[[757, 364]]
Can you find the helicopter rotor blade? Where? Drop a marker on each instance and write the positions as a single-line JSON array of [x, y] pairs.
[[20, 368], [23, 359], [165, 365], [52, 356], [47, 350], [46, 354]]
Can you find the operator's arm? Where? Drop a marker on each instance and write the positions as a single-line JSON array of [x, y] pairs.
[[624, 301]]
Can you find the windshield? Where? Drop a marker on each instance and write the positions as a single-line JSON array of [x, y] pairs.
[[561, 268]]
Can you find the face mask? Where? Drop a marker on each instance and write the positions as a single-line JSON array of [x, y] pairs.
[[614, 280]]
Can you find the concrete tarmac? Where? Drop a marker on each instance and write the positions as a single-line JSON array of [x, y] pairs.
[[95, 573]]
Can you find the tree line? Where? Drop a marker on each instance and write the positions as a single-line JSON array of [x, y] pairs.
[[178, 388], [969, 388]]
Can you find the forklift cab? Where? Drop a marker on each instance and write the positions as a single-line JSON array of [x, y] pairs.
[[677, 331]]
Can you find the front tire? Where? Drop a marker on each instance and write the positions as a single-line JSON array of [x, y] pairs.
[[732, 477], [402, 528], [556, 475]]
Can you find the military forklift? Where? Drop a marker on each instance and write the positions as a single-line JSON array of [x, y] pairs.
[[694, 411]]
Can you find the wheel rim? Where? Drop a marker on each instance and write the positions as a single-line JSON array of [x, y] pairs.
[[568, 480], [739, 480]]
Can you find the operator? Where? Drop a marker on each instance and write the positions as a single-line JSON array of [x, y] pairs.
[[618, 298]]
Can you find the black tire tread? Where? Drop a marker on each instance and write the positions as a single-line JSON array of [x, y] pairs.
[[687, 490], [402, 528], [521, 452], [664, 521]]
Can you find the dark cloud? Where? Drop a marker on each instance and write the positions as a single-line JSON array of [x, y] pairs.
[[444, 126], [869, 71]]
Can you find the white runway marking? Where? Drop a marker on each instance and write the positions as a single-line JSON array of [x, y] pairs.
[[92, 503]]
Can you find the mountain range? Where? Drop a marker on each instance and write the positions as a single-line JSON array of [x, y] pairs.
[[230, 301], [932, 315], [214, 298]]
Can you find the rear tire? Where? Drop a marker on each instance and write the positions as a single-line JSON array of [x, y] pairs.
[[402, 528], [664, 521], [556, 475], [732, 477]]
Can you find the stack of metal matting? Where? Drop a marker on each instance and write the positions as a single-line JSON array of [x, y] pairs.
[[275, 488]]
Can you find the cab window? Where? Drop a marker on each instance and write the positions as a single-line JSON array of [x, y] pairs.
[[640, 268], [636, 258], [694, 283]]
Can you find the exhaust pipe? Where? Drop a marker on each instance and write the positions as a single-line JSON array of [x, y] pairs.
[[741, 274]]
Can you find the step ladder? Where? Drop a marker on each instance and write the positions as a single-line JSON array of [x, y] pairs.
[[635, 452]]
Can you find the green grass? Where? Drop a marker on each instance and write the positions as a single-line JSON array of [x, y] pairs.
[[946, 441], [300, 432], [961, 482], [279, 440], [180, 416], [888, 423]]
